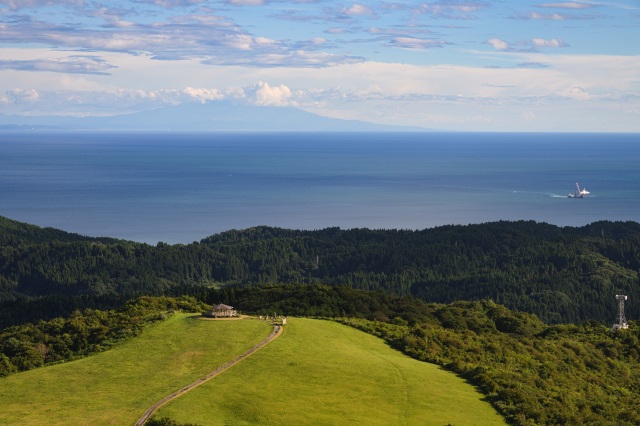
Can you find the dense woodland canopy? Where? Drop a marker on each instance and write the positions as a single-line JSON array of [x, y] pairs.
[[561, 274]]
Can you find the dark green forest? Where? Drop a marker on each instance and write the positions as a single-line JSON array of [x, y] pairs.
[[560, 274]]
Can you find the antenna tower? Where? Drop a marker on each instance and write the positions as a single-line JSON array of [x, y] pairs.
[[621, 320]]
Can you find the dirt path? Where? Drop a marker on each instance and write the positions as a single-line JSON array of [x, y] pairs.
[[277, 331]]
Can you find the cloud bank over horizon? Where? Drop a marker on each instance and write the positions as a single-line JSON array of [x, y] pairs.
[[452, 65]]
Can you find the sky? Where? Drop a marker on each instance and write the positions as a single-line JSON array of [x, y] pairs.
[[449, 65]]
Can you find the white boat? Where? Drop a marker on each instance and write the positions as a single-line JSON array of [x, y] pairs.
[[579, 193]]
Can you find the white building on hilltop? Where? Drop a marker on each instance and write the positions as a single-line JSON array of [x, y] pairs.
[[221, 311]]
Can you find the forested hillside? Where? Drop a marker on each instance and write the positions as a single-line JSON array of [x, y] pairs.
[[560, 274], [33, 345]]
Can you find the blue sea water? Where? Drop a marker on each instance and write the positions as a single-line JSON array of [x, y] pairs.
[[179, 188]]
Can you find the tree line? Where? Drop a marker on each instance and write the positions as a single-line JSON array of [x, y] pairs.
[[561, 274], [82, 333], [531, 372]]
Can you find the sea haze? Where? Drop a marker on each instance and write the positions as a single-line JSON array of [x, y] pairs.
[[182, 187]]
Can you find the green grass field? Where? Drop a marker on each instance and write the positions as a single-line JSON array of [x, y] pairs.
[[317, 372], [324, 373], [116, 387]]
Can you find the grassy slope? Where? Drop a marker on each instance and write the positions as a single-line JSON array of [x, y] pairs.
[[117, 386], [321, 372]]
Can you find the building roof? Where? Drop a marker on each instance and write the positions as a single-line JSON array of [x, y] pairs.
[[222, 306]]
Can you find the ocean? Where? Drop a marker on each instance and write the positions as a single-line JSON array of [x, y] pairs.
[[183, 187]]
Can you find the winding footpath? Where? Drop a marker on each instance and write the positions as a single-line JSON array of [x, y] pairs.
[[277, 331]]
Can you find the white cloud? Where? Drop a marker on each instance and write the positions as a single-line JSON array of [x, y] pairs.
[[72, 65], [27, 4], [240, 41], [23, 96], [550, 17], [247, 2], [203, 95], [265, 41], [272, 96], [525, 46], [416, 43], [567, 5], [498, 44], [235, 93], [450, 10], [357, 9], [540, 42], [173, 3], [393, 93], [577, 93], [337, 30], [210, 39]]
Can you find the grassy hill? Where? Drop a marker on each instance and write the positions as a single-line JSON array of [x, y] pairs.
[[316, 372], [115, 387], [321, 372]]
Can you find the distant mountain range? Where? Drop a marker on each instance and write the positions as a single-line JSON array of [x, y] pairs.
[[212, 116]]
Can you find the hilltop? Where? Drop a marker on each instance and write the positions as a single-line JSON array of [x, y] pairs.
[[531, 373]]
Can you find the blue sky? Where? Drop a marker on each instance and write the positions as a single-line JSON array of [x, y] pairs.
[[451, 65]]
